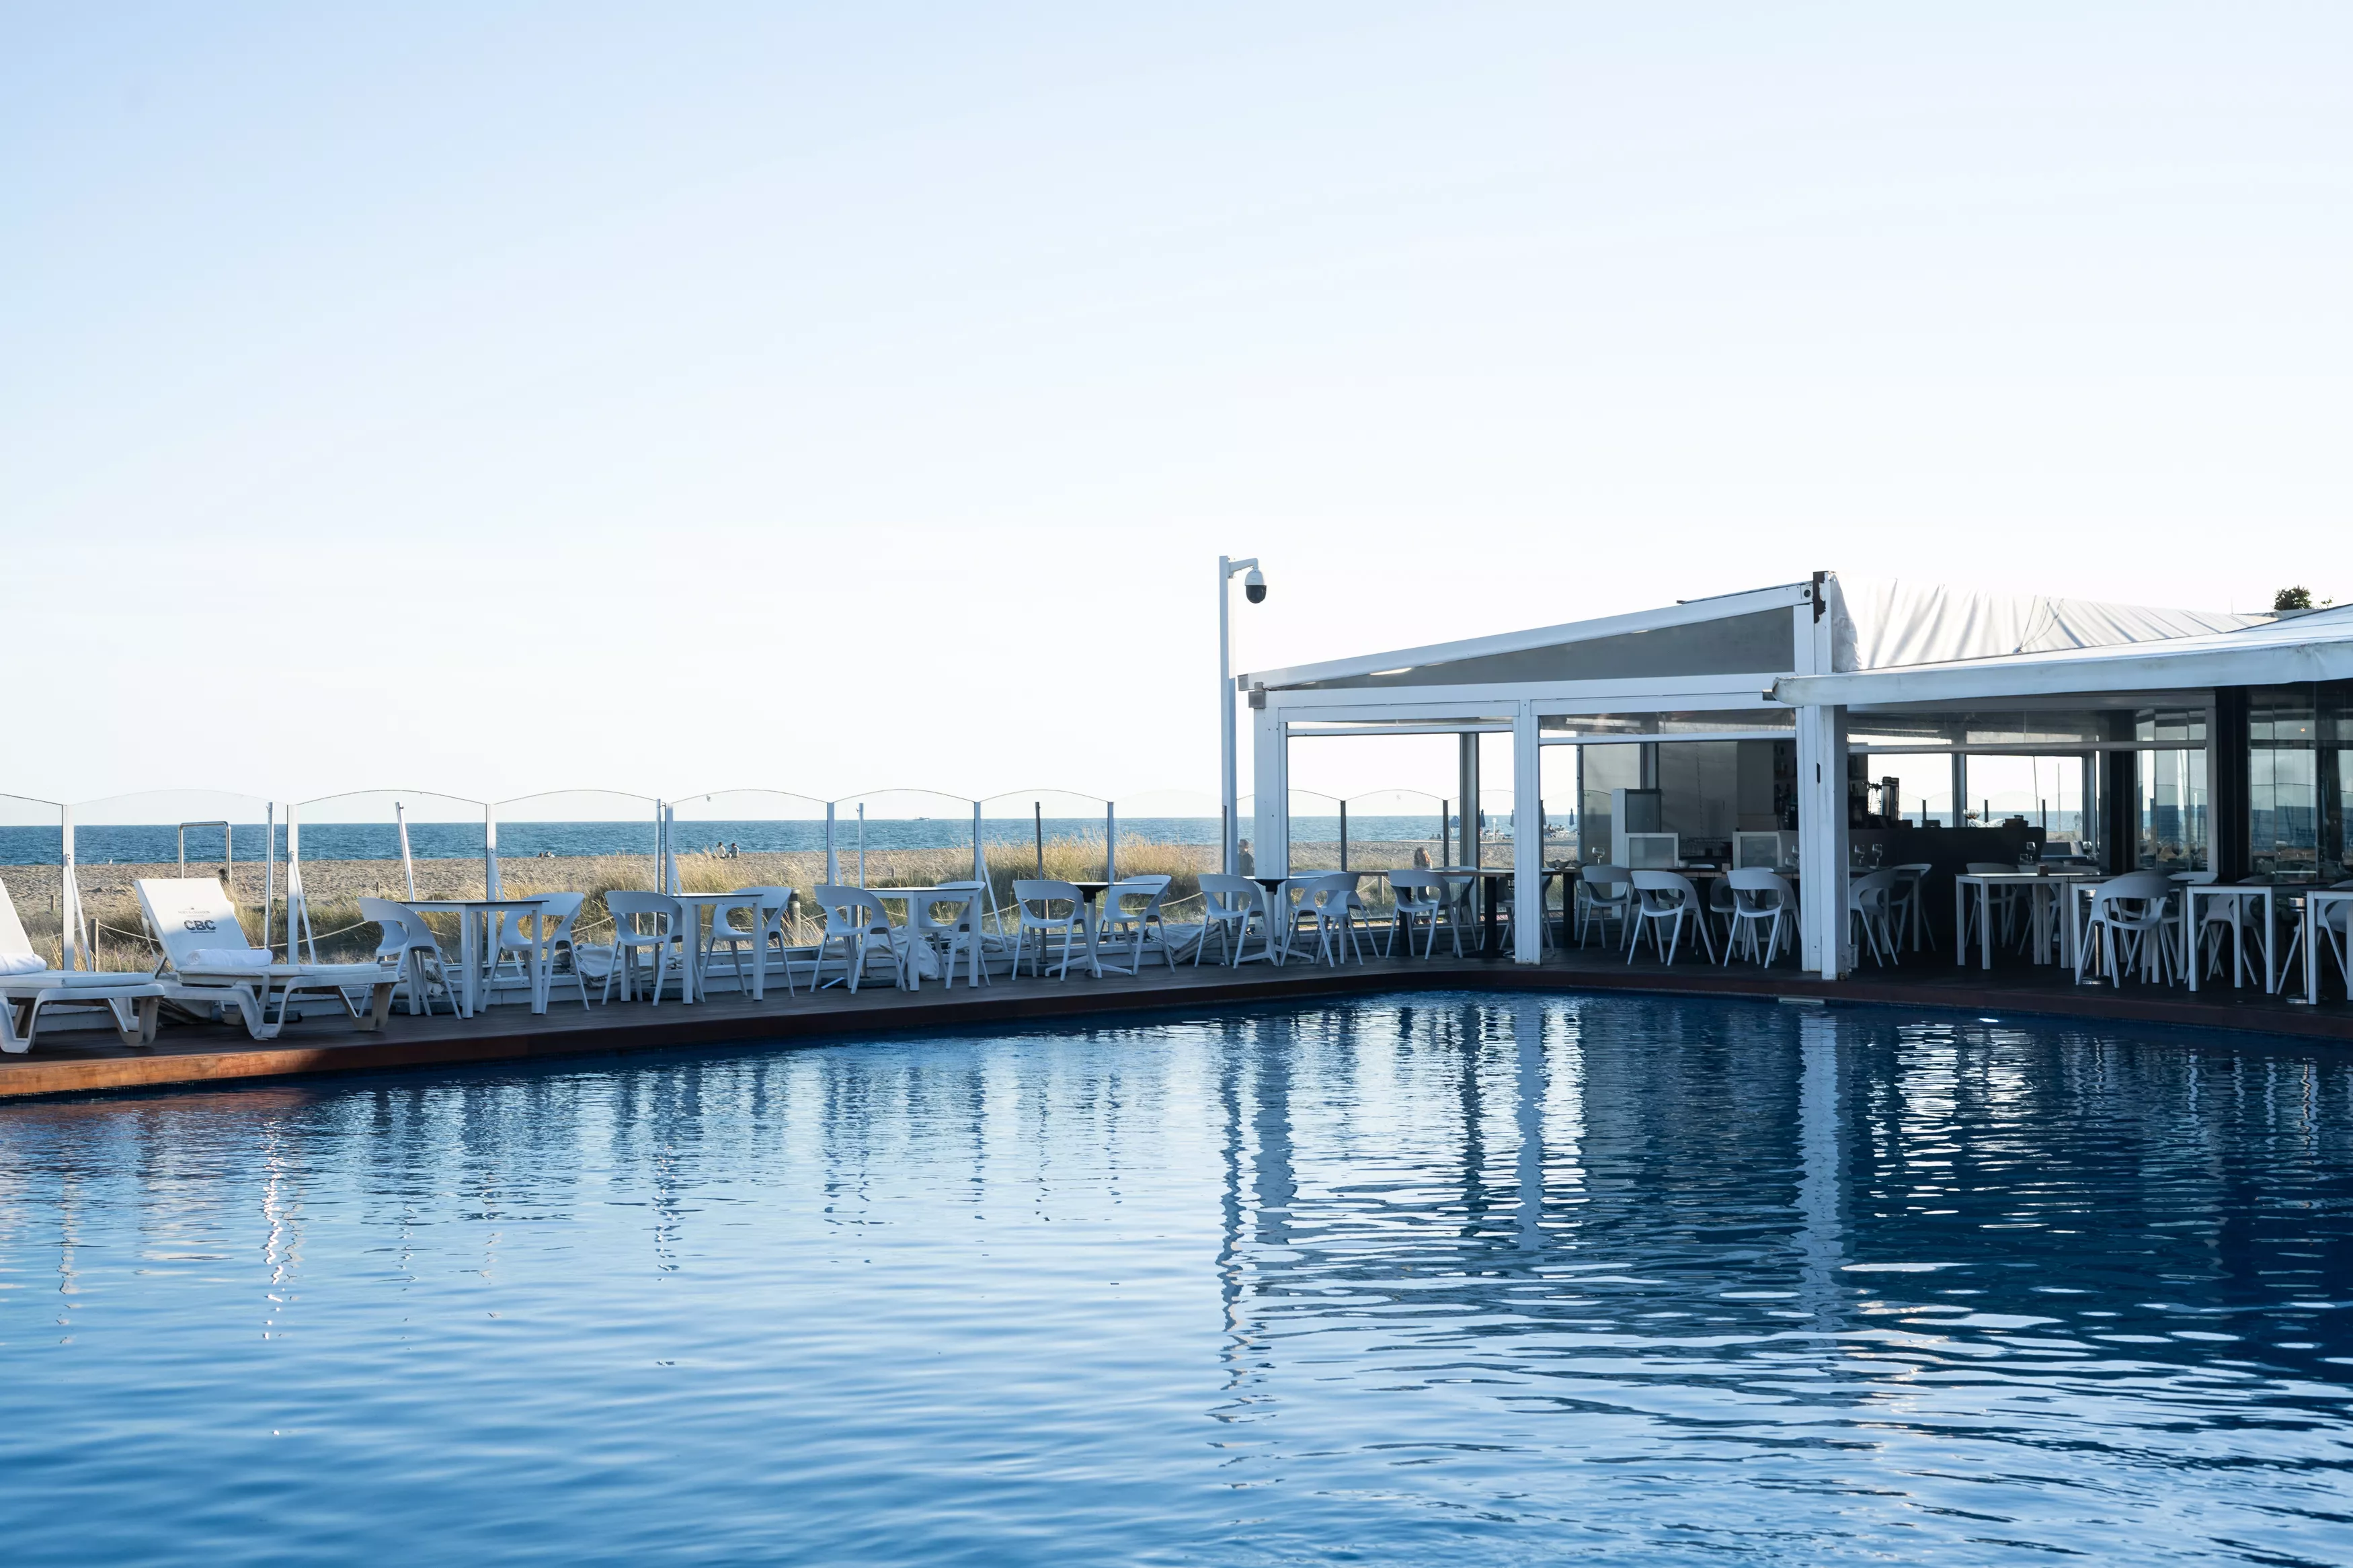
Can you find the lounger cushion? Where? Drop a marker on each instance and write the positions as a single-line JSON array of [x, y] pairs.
[[228, 958], [78, 979], [20, 963]]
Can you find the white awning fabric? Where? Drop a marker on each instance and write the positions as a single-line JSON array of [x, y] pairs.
[[2269, 652], [1885, 623]]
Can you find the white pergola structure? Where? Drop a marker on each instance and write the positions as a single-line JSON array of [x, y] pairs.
[[1701, 670], [1783, 663]]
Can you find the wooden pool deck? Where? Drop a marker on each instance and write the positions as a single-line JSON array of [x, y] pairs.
[[1930, 985]]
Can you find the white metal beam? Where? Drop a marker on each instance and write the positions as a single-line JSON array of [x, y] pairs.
[[1496, 703], [1822, 841], [1672, 736], [1270, 786], [1527, 839]]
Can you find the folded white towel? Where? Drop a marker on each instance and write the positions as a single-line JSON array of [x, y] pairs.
[[228, 958], [20, 963]]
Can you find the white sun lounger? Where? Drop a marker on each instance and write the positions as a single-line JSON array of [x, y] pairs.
[[209, 960], [29, 985]]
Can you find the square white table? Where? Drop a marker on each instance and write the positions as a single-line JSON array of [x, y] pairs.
[[2042, 911], [2191, 892], [694, 907], [2315, 905], [477, 951], [911, 980]]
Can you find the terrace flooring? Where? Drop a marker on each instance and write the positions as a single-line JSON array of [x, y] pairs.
[[1929, 982]]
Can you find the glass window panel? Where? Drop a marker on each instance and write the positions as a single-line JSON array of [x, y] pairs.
[[2170, 726], [1924, 787], [2173, 811], [1899, 729], [1699, 795], [2283, 820], [1601, 769], [2048, 791], [2030, 729]]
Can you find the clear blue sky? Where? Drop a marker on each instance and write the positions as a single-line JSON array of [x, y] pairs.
[[680, 397]]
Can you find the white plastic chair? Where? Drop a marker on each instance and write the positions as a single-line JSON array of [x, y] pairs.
[[1667, 898], [2333, 928], [650, 923], [1908, 905], [1325, 905], [774, 906], [1034, 898], [557, 911], [856, 921], [1229, 904], [1760, 898], [409, 944], [747, 943], [1117, 926], [1871, 903], [1416, 894], [1457, 905], [2127, 925], [1605, 893], [204, 946]]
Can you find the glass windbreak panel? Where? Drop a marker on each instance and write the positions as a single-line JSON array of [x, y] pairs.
[[1699, 798], [1393, 829], [593, 841], [119, 840], [1051, 833], [739, 838], [2170, 726], [914, 839], [1315, 831], [2046, 793], [29, 833], [1600, 771], [2173, 811], [1695, 722], [146, 832], [750, 826], [1171, 833], [32, 872], [384, 842], [1495, 821], [392, 844]]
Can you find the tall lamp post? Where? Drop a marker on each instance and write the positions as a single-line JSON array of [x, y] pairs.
[[1254, 585]]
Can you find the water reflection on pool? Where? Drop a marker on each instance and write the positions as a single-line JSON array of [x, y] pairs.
[[1464, 1278]]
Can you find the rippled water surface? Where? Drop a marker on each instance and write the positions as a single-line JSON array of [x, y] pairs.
[[1453, 1279]]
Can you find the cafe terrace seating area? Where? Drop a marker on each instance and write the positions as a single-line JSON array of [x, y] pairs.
[[1813, 789]]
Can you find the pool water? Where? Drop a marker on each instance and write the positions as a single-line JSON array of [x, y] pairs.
[[1461, 1279]]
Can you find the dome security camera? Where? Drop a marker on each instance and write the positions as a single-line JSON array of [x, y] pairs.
[[1254, 587]]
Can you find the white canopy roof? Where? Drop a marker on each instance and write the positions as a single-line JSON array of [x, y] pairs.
[[1895, 621], [1874, 625], [2272, 651]]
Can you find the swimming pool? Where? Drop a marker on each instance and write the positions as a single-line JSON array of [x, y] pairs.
[[1462, 1278]]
